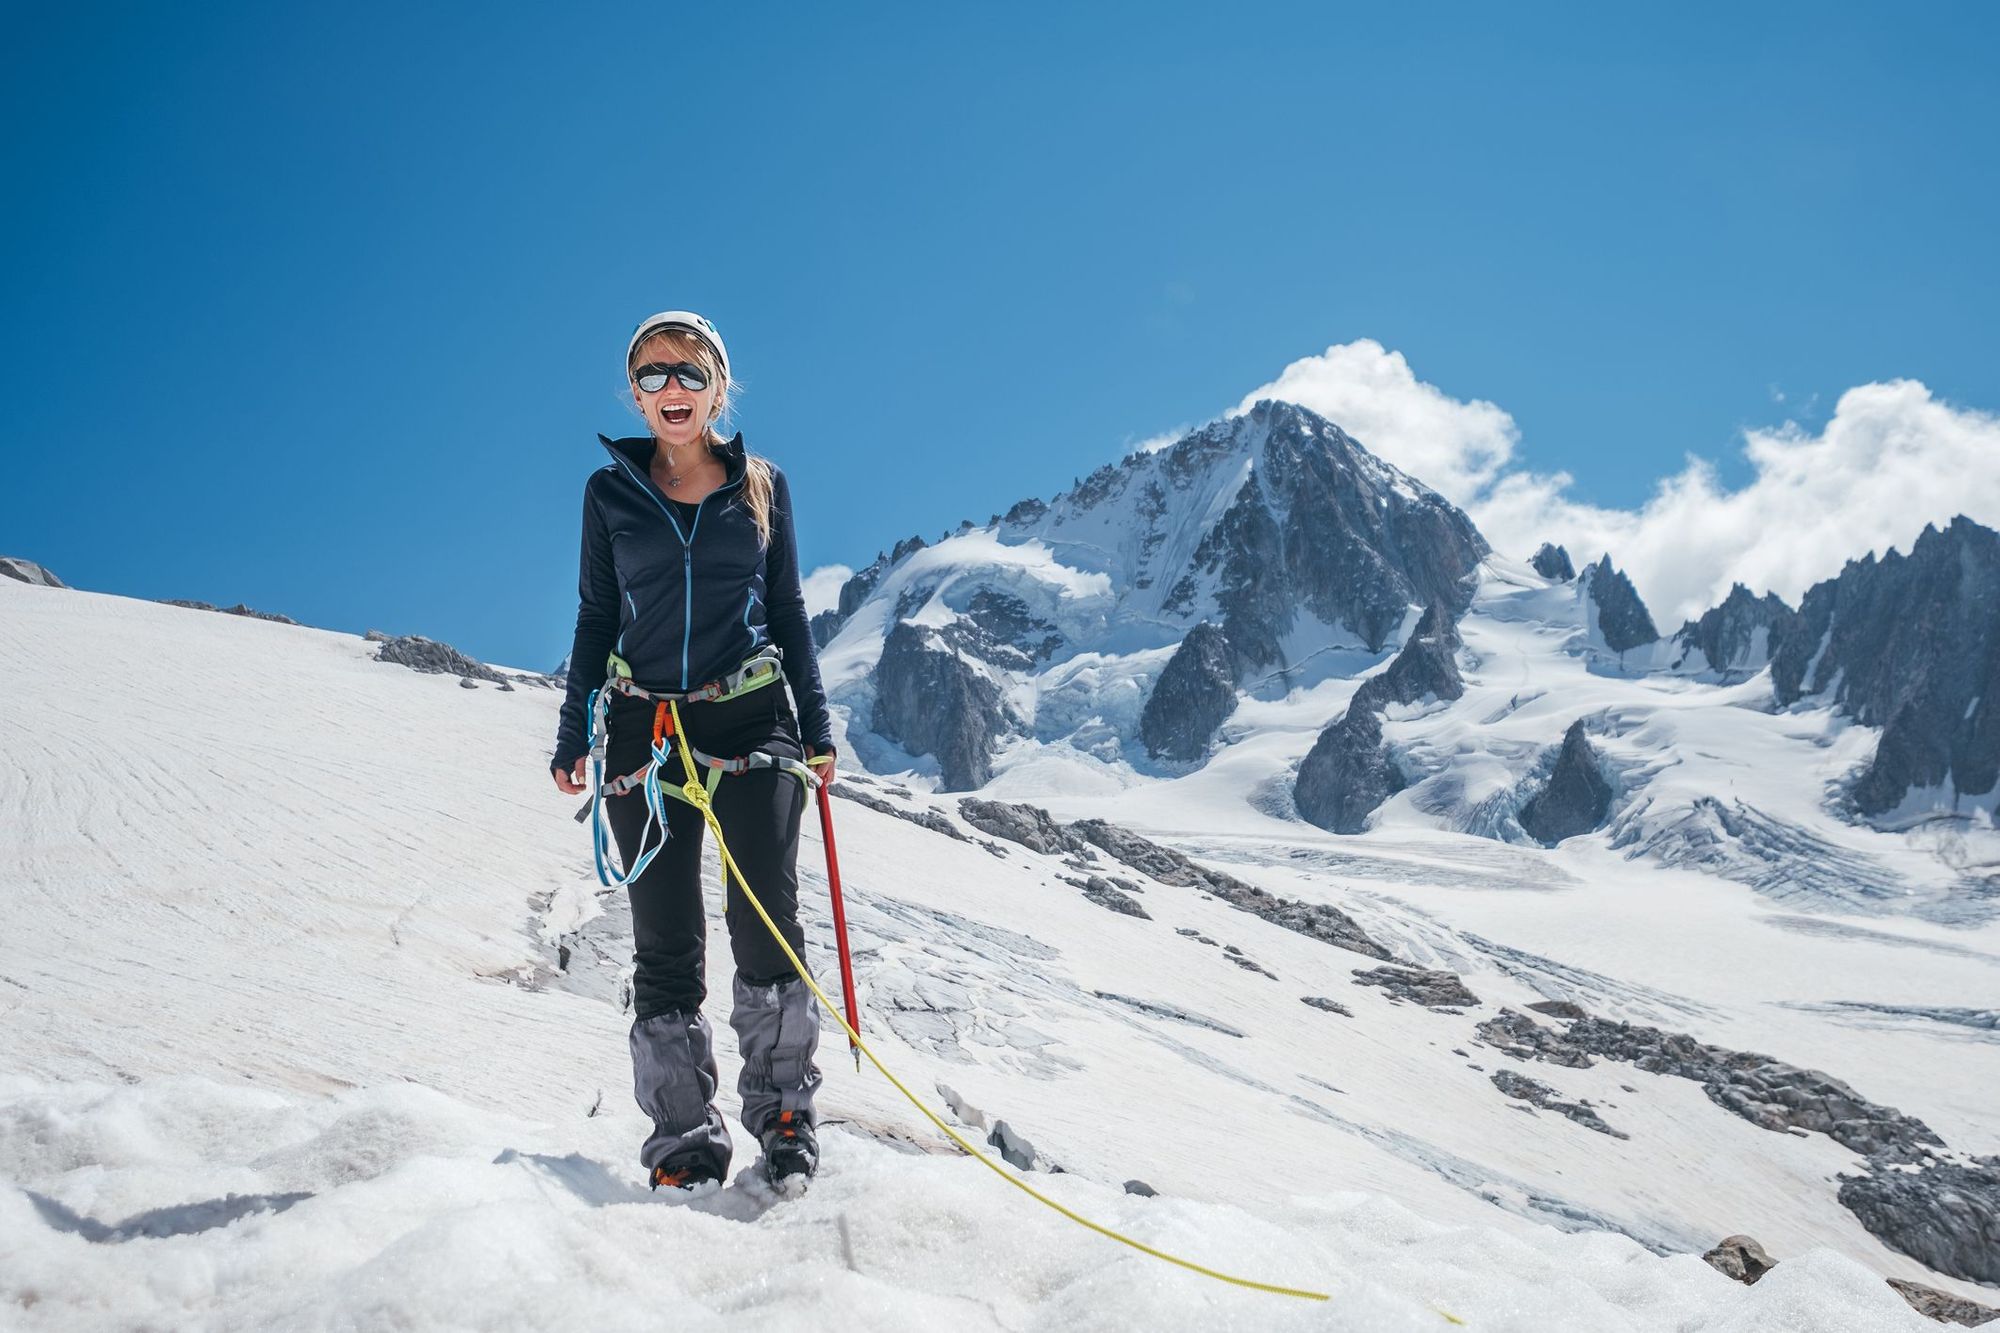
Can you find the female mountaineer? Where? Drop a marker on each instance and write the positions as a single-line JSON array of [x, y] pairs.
[[689, 592]]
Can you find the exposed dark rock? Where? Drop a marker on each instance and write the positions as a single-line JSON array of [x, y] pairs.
[[1910, 644], [1192, 697], [1737, 638], [237, 610], [1140, 1188], [1102, 892], [1766, 1092], [1552, 562], [1945, 1215], [1622, 618], [929, 819], [1347, 774], [427, 655], [1741, 1258], [1533, 1091], [1576, 797], [1330, 1006], [1247, 963], [928, 700], [1029, 825], [825, 625], [1349, 771], [1161, 1009], [27, 571], [1432, 989], [1319, 921], [1523, 1038], [1558, 1008], [1942, 1306]]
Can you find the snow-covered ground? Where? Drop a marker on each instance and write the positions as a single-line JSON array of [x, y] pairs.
[[284, 1038]]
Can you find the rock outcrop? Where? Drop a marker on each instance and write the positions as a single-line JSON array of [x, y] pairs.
[[1192, 698], [1945, 1215], [1735, 640], [1536, 1093], [1915, 1197], [1620, 616], [1910, 644], [1080, 842], [237, 610], [1349, 771], [930, 702], [1431, 988], [1576, 797], [1552, 562], [27, 571], [420, 654]]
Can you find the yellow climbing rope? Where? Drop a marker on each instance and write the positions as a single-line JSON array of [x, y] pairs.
[[697, 796]]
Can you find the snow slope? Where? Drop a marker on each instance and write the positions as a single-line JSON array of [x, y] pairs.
[[286, 1039]]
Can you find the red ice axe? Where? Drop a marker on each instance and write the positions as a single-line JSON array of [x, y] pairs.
[[839, 921]]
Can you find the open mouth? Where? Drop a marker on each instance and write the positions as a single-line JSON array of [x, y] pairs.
[[675, 416]]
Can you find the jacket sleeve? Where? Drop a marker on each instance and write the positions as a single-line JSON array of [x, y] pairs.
[[596, 632], [785, 613]]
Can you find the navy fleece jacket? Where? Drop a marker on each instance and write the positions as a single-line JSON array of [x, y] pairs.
[[685, 602]]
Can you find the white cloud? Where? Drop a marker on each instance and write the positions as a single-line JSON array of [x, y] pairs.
[[823, 587], [1891, 459], [1456, 448]]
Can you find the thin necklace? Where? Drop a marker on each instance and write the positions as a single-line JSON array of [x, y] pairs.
[[674, 479]]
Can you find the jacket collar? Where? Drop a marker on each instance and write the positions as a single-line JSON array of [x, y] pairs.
[[636, 452]]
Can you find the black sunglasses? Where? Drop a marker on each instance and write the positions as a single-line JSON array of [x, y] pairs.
[[653, 378]]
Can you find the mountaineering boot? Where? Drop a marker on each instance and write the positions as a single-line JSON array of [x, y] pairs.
[[693, 1177], [674, 1080], [777, 1032], [791, 1152]]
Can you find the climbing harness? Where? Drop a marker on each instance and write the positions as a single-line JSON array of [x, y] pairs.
[[697, 794], [755, 673]]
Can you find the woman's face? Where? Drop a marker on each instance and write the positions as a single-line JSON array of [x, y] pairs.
[[677, 415]]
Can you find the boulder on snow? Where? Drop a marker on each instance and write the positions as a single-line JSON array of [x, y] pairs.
[[1192, 698], [1741, 1258], [1942, 1306], [1576, 797]]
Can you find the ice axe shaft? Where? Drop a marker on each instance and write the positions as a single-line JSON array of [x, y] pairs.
[[839, 921]]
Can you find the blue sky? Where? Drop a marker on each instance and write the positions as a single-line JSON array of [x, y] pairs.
[[319, 308]]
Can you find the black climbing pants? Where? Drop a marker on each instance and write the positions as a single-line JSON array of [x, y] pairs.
[[760, 813]]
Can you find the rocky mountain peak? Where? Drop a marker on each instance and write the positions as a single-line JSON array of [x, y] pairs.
[[1736, 638], [1910, 644], [1618, 613], [1552, 562]]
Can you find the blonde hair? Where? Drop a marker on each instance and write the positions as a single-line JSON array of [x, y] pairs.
[[680, 345]]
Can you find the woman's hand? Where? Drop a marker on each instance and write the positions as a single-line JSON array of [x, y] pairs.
[[571, 783], [822, 762]]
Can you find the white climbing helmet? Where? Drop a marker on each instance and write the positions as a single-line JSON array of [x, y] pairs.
[[680, 319]]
